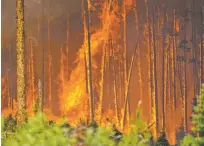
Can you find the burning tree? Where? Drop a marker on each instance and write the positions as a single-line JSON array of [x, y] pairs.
[[87, 6]]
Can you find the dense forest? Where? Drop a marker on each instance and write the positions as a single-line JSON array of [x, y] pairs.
[[103, 62]]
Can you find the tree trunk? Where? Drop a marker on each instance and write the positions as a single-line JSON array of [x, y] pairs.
[[20, 62], [147, 34], [115, 86], [67, 47], [49, 69], [89, 58], [155, 72], [32, 67], [185, 80], [174, 59], [163, 71], [43, 60], [85, 55], [202, 45]]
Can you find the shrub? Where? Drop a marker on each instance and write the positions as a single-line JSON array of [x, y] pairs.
[[100, 137], [139, 134], [37, 131], [162, 140]]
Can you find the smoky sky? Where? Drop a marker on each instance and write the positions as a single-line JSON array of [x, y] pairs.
[[57, 10]]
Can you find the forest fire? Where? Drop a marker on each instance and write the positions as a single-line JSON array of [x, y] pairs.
[[151, 63]]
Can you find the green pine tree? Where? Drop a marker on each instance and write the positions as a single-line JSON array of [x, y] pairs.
[[197, 137]]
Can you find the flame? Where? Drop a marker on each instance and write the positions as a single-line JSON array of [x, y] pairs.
[[106, 45]]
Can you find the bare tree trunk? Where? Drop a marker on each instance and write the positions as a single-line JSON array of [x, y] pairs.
[[174, 62], [202, 45], [67, 47], [39, 95], [155, 72], [86, 72], [171, 72], [108, 70], [10, 84], [167, 83], [32, 67], [163, 71], [49, 69], [21, 115], [125, 42], [28, 68], [102, 78], [49, 103], [43, 60], [85, 55], [194, 46], [151, 58], [39, 98], [147, 34], [115, 86], [8, 89], [89, 58], [185, 81]]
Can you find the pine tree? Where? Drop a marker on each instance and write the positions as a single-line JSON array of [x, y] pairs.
[[198, 117], [198, 122], [162, 140]]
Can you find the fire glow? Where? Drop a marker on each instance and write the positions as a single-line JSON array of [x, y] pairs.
[[121, 82]]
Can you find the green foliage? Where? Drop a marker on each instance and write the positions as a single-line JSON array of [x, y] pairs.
[[3, 135], [100, 137], [198, 117], [162, 140], [37, 131], [139, 134], [2, 123], [189, 140], [198, 122]]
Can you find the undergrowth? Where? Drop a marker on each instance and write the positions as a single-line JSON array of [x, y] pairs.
[[37, 131]]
